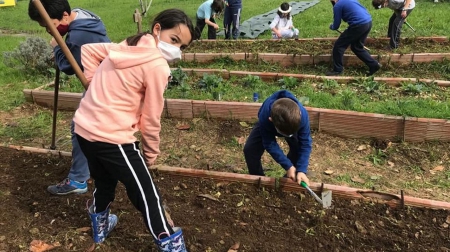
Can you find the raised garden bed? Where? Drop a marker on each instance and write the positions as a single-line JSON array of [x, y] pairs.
[[344, 123], [316, 46], [425, 70], [214, 216]]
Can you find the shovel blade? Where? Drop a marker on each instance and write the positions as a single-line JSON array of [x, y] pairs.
[[326, 199]]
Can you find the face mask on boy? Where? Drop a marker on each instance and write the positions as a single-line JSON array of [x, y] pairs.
[[168, 51], [62, 29]]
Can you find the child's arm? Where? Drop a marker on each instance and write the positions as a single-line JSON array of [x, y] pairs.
[[304, 143], [155, 82], [274, 24], [272, 147], [62, 62], [290, 25], [91, 57]]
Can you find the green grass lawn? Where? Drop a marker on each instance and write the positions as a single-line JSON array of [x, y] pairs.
[[428, 19]]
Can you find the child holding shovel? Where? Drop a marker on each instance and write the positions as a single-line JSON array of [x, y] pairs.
[[125, 95], [401, 9], [359, 25], [80, 27], [281, 115]]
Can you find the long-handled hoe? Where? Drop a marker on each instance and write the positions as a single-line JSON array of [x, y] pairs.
[[325, 201]]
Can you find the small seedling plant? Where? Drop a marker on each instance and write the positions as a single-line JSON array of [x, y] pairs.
[[288, 82], [179, 78]]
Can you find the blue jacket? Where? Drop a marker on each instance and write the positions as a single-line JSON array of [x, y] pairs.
[[268, 133], [351, 11], [234, 3], [81, 31]]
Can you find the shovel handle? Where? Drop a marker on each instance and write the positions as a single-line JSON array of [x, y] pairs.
[[318, 199]]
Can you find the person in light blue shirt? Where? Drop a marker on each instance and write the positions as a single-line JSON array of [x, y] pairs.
[[359, 25], [205, 16]]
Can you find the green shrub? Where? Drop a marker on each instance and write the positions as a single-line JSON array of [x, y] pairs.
[[33, 56]]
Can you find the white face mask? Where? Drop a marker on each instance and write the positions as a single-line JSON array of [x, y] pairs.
[[168, 51]]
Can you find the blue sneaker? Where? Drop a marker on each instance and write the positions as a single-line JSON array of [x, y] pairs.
[[68, 186]]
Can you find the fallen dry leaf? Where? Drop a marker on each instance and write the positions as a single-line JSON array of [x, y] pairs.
[[183, 127], [448, 219], [328, 172], [40, 246], [361, 147], [357, 179], [438, 168], [91, 248], [391, 164], [243, 124], [83, 229], [234, 248], [241, 140], [208, 197]]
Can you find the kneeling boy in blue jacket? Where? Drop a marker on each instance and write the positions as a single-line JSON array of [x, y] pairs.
[[281, 115]]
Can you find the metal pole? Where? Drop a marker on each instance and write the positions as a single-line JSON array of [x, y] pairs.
[[406, 23], [55, 108]]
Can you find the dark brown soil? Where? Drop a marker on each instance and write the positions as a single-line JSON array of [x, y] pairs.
[[257, 219], [312, 47]]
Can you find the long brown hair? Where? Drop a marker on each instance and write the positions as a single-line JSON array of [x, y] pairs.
[[167, 19]]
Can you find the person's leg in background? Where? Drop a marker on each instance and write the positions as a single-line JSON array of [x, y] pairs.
[[391, 22], [212, 33], [357, 47], [236, 18], [396, 30], [199, 25], [339, 48], [76, 181], [253, 151], [227, 20]]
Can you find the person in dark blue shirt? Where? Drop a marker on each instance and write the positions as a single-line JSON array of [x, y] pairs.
[[80, 27], [359, 25], [281, 115], [231, 18]]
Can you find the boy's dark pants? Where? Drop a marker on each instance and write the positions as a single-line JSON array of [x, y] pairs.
[[231, 17], [254, 149], [354, 36], [110, 163], [201, 24], [395, 27]]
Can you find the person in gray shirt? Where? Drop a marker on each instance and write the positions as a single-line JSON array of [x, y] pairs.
[[402, 9]]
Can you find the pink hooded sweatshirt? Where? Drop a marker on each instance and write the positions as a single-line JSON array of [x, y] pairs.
[[125, 94]]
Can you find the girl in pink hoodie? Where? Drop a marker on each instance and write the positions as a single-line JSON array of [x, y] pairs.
[[125, 95]]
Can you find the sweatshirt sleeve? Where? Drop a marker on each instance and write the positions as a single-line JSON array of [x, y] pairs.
[[275, 21], [270, 144], [289, 23], [91, 57], [155, 83], [61, 60], [304, 144], [337, 13]]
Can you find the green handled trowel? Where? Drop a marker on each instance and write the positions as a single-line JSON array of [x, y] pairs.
[[325, 201]]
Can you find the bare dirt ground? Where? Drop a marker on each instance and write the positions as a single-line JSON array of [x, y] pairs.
[[215, 216], [256, 219], [420, 169]]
